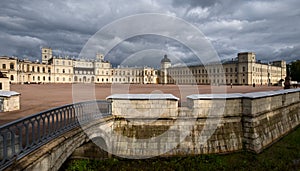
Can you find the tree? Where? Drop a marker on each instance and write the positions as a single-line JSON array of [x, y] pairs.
[[295, 70]]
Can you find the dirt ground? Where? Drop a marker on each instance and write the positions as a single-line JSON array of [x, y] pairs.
[[39, 97]]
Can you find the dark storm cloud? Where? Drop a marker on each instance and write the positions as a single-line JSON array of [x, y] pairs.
[[160, 45], [269, 28], [194, 3]]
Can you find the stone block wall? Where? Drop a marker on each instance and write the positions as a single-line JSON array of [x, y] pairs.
[[209, 124], [144, 105], [268, 118], [11, 103]]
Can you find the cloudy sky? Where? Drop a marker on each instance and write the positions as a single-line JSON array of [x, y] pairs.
[[270, 28]]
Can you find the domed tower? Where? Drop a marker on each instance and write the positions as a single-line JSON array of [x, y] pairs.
[[165, 63]]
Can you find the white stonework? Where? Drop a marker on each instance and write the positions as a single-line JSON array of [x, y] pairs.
[[10, 101]]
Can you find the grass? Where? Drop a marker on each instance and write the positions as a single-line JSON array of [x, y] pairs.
[[283, 155]]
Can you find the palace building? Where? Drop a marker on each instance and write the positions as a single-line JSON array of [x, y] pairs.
[[54, 69], [243, 70]]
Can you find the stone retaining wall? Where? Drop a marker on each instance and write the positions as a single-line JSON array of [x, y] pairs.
[[266, 118], [216, 123]]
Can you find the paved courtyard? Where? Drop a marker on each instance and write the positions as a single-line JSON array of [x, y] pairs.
[[40, 97]]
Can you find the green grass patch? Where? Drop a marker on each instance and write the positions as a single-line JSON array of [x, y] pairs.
[[283, 155]]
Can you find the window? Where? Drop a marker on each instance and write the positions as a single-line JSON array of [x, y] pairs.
[[0, 86], [57, 78], [44, 78], [49, 70], [11, 77], [3, 66], [63, 70], [38, 69], [44, 70], [244, 69], [12, 66], [38, 78], [57, 70]]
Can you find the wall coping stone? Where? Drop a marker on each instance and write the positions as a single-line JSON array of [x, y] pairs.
[[252, 95], [4, 93], [215, 96], [143, 97], [255, 95]]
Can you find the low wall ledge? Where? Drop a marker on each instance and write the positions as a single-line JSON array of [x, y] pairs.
[[215, 96], [143, 97], [255, 95], [4, 93]]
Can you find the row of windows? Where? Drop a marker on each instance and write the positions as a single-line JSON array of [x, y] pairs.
[[133, 80], [38, 69], [11, 66], [202, 71], [63, 63], [205, 81], [63, 71], [84, 64], [84, 72]]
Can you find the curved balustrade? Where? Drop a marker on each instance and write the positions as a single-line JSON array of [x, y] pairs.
[[19, 138]]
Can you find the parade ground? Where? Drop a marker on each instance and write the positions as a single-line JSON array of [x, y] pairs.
[[39, 97]]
